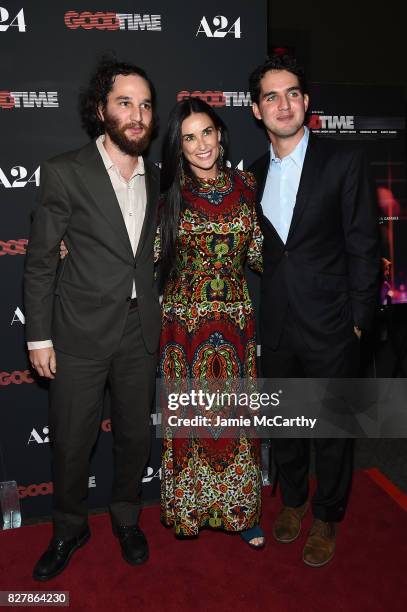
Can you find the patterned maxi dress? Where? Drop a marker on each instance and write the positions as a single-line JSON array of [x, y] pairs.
[[208, 332]]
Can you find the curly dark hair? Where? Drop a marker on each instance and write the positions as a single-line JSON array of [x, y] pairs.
[[100, 85], [276, 61]]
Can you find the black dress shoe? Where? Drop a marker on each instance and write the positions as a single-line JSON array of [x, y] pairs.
[[132, 542], [57, 556]]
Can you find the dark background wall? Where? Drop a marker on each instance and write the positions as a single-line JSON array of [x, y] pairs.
[[350, 41]]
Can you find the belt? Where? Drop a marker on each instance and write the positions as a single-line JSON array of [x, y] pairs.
[[133, 303]]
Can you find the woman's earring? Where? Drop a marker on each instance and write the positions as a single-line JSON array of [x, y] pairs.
[[220, 158]]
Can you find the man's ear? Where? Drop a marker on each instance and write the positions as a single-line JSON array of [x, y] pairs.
[[306, 102], [256, 111], [100, 113]]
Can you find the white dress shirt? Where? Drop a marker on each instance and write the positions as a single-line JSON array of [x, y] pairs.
[[132, 199], [280, 191]]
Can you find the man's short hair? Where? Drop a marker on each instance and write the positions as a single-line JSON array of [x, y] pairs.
[[276, 62]]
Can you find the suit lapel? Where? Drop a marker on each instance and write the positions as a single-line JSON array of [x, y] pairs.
[[152, 192], [93, 174], [309, 178]]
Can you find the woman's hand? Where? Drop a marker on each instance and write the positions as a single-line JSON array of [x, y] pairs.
[[63, 251]]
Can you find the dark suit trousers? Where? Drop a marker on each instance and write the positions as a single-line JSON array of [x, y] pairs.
[[76, 404], [333, 457]]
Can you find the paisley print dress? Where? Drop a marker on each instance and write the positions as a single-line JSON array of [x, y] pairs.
[[208, 332]]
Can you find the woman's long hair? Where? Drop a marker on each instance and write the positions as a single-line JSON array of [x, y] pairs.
[[173, 166]]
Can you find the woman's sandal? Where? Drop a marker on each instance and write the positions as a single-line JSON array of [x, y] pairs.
[[251, 534]]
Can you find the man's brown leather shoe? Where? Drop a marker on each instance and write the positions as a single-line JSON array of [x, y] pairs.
[[287, 527], [320, 545]]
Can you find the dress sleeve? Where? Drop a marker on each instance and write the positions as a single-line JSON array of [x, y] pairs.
[[254, 253]]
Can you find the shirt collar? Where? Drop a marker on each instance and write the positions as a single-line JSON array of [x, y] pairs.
[[139, 169], [298, 154]]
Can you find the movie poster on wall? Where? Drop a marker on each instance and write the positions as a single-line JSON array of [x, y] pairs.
[[373, 117]]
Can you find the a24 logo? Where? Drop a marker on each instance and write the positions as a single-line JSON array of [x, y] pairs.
[[17, 22], [19, 174], [221, 27]]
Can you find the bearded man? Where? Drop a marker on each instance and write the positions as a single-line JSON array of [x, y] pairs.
[[94, 320]]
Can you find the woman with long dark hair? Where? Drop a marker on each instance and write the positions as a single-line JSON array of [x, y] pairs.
[[208, 230]]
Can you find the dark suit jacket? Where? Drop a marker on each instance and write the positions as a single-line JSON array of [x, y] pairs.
[[82, 304], [328, 270]]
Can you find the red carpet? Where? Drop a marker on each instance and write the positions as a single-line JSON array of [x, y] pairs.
[[220, 572]]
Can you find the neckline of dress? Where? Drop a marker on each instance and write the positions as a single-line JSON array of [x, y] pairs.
[[207, 182]]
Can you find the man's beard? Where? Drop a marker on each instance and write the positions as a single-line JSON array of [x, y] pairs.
[[117, 134]]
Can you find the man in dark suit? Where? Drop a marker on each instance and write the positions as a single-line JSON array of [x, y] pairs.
[[319, 287], [95, 319]]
